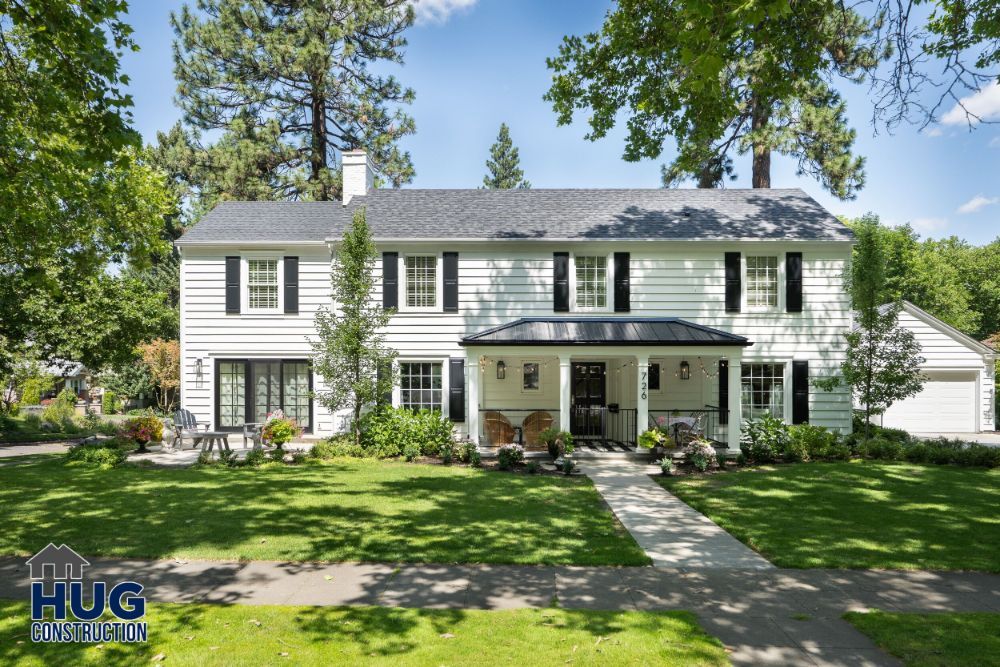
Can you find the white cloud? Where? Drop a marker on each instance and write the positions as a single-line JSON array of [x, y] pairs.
[[995, 142], [933, 132], [985, 104], [439, 11], [928, 225], [976, 203]]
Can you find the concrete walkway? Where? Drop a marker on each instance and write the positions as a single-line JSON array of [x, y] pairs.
[[671, 533], [786, 617]]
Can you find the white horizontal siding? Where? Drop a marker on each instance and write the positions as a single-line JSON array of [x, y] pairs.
[[500, 282]]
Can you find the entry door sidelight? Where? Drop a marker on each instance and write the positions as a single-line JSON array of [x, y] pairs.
[[588, 399]]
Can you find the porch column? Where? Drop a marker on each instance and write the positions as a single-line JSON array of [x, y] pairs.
[[472, 394], [735, 403], [642, 395], [565, 389]]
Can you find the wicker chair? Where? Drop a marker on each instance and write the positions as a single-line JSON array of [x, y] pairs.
[[534, 424], [498, 429]]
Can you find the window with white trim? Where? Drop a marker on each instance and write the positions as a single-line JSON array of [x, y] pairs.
[[762, 282], [262, 284], [531, 376], [591, 281], [420, 386], [762, 390], [421, 281]]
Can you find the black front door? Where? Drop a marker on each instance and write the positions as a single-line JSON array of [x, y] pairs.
[[588, 399]]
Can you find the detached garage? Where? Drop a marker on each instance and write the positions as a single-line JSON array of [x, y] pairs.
[[958, 395]]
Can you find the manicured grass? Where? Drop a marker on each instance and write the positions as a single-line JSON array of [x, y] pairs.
[[347, 510], [934, 640], [196, 634], [857, 515]]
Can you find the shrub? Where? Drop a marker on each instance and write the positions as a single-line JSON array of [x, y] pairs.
[[255, 458], [567, 466], [299, 457], [205, 458], [882, 449], [765, 439], [666, 465], [60, 412], [475, 458], [556, 441], [509, 456], [651, 438], [278, 431], [411, 451], [839, 452], [104, 455], [337, 446], [386, 431], [109, 402], [532, 467], [447, 452], [468, 452], [918, 452], [813, 441], [143, 429], [700, 454], [91, 421], [741, 459]]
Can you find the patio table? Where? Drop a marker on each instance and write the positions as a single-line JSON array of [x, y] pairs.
[[211, 439]]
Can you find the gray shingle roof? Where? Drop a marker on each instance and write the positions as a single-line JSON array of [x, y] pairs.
[[603, 331], [667, 214]]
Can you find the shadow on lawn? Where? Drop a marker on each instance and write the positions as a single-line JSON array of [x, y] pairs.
[[335, 512], [858, 515]]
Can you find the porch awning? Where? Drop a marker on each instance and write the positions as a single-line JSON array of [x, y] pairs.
[[668, 331]]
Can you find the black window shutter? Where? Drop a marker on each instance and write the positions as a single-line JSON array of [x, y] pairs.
[[291, 285], [654, 377], [723, 391], [734, 282], [623, 282], [390, 280], [456, 389], [450, 260], [384, 370], [560, 288], [800, 392], [793, 282], [233, 285]]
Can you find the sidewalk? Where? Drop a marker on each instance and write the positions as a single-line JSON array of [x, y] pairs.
[[769, 616], [669, 531]]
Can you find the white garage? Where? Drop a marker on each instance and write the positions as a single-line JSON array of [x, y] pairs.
[[958, 395]]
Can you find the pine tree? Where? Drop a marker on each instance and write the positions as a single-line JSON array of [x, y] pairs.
[[350, 348], [504, 165], [291, 85]]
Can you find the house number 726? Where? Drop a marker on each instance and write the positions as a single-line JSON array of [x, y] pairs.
[[642, 387]]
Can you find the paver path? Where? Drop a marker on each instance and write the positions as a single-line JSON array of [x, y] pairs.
[[787, 617], [671, 532]]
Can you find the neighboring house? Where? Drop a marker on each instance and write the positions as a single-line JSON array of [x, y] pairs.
[[602, 308], [959, 395], [70, 375]]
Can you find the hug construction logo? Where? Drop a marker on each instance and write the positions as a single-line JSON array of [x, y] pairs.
[[57, 584]]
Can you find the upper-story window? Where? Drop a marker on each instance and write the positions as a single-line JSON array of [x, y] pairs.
[[591, 281], [262, 284], [762, 282], [421, 281]]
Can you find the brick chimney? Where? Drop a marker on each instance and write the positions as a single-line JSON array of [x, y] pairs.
[[358, 175]]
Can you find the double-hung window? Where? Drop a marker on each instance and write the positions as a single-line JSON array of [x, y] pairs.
[[421, 281], [762, 390], [591, 282], [262, 284], [762, 282], [420, 385], [531, 376]]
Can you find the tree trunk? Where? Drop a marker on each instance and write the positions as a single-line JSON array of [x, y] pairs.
[[317, 160], [761, 151]]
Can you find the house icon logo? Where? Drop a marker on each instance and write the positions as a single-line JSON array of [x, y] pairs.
[[63, 561]]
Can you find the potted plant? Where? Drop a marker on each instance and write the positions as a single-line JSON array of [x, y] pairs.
[[277, 431], [142, 430], [655, 440], [557, 442]]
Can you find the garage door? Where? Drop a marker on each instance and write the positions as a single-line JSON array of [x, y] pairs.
[[946, 403]]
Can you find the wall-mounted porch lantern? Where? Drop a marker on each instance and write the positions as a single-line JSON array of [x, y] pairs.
[[501, 370], [685, 370], [199, 368]]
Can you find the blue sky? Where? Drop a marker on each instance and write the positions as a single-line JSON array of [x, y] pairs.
[[477, 63]]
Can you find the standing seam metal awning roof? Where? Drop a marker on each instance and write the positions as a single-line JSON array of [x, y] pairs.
[[603, 331]]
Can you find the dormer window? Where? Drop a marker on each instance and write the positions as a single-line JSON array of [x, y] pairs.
[[262, 284]]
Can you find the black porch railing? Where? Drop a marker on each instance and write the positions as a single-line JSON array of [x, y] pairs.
[[684, 424], [606, 423]]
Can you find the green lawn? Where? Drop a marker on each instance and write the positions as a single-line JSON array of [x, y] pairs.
[[196, 634], [348, 510], [934, 640], [857, 515]]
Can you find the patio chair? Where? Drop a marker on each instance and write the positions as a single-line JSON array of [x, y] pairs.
[[533, 425], [498, 428], [186, 426], [251, 432]]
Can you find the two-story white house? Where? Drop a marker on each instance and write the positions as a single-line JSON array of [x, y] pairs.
[[594, 310]]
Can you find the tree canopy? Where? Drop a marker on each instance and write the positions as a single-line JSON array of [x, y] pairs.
[[504, 164], [290, 85]]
